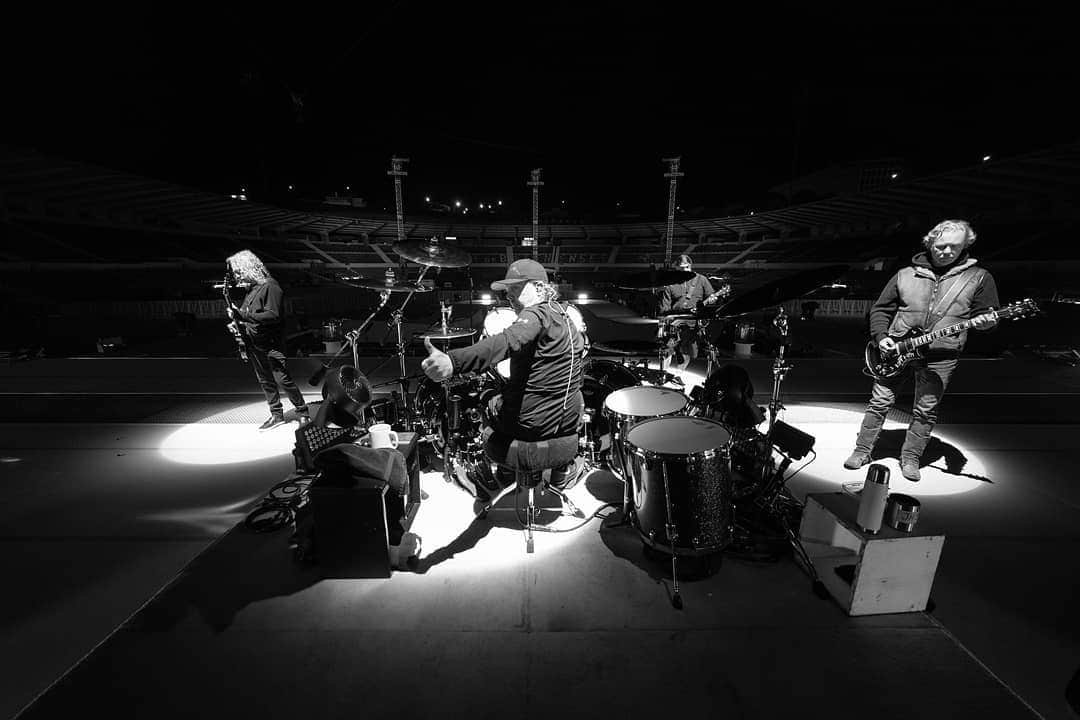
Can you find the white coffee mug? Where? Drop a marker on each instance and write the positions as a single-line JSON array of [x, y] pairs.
[[381, 436]]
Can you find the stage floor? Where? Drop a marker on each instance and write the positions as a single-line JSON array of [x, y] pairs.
[[134, 588]]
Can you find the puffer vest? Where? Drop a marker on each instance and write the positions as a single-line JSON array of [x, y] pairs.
[[920, 291]]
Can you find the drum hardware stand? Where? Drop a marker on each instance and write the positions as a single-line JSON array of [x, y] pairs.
[[350, 342], [779, 370], [673, 537], [395, 320]]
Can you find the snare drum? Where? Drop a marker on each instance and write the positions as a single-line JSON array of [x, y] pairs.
[[687, 460], [624, 408], [497, 320]]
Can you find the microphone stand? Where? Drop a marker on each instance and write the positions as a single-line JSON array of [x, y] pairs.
[[350, 341]]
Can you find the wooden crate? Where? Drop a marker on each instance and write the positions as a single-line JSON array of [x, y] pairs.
[[888, 572]]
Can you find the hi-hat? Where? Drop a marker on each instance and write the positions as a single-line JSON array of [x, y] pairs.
[[451, 333], [433, 253], [652, 279]]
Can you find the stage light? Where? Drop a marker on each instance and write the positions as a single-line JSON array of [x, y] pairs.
[[583, 296], [290, 188], [243, 190], [500, 203], [486, 297], [427, 199], [894, 175], [457, 203], [986, 158], [346, 188], [481, 206]]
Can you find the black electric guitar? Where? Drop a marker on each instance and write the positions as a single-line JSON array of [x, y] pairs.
[[912, 346], [233, 325]]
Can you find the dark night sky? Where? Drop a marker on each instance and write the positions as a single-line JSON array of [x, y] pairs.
[[476, 94]]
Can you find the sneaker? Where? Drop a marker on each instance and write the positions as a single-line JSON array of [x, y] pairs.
[[857, 460], [272, 422], [909, 468]]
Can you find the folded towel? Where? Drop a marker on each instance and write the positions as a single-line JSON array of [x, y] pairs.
[[351, 465]]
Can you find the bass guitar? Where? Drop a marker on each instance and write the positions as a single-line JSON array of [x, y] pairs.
[[912, 346], [233, 325]]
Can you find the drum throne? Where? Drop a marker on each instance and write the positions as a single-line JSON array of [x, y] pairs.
[[545, 465]]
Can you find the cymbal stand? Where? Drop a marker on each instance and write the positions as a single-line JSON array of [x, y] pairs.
[[352, 336], [395, 320], [773, 486]]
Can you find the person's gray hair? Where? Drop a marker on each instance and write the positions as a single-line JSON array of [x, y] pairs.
[[246, 265], [945, 226], [548, 292]]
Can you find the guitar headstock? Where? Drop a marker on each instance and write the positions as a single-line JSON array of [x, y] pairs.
[[1021, 308]]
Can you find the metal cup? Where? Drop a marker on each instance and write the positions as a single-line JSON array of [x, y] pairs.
[[902, 512]]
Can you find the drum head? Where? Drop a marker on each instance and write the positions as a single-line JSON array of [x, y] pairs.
[[497, 320], [678, 435], [645, 401]]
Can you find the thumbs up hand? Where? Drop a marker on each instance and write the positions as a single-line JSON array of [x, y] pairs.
[[437, 365]]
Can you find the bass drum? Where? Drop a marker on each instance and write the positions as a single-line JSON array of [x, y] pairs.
[[603, 377]]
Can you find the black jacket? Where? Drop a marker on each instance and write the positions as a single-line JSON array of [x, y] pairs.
[[542, 399]]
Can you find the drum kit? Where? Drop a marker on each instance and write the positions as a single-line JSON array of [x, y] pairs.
[[684, 463]]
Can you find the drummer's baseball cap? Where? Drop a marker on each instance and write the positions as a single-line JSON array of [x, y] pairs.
[[521, 271]]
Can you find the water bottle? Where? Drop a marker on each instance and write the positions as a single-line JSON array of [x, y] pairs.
[[872, 500]]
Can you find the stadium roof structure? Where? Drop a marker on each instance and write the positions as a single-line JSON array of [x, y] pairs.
[[38, 189]]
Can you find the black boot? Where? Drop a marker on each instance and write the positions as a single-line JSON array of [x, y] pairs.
[[273, 421], [864, 443]]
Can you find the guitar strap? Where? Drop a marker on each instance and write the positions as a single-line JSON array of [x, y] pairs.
[[949, 299]]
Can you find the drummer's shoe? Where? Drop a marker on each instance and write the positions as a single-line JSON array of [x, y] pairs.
[[856, 460], [567, 477]]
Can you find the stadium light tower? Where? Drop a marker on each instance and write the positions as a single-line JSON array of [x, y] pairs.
[[535, 184], [398, 173], [674, 174]]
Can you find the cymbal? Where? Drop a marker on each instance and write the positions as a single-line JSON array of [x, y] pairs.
[[625, 347], [683, 315], [494, 302], [376, 284], [652, 279], [433, 253], [450, 333], [779, 291]]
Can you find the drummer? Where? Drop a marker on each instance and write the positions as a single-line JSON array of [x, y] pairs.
[[542, 398], [685, 297]]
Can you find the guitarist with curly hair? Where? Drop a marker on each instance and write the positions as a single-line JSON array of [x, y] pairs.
[[942, 286]]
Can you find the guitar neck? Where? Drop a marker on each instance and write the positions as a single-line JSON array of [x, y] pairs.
[[937, 335]]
